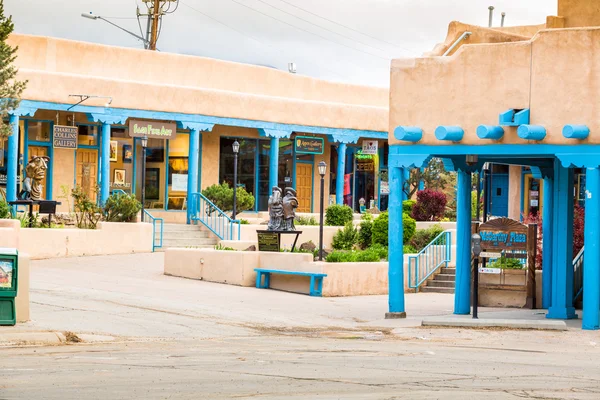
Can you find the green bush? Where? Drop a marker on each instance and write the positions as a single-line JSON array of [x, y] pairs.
[[4, 209], [121, 207], [222, 197], [407, 206], [341, 256], [307, 221], [408, 249], [338, 215], [365, 232], [506, 263], [381, 251], [368, 255], [87, 212], [223, 248], [423, 237], [244, 222], [346, 238], [380, 228]]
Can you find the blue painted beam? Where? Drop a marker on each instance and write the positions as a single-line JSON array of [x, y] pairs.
[[193, 159], [341, 171], [576, 131], [105, 164], [274, 163], [591, 266], [531, 132], [492, 132], [462, 296], [451, 133], [513, 117], [547, 233], [13, 159], [396, 250], [521, 117], [408, 133]]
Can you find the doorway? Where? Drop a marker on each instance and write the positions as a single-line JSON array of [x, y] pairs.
[[87, 172], [304, 179]]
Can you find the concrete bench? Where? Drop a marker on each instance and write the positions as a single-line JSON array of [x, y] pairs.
[[316, 279]]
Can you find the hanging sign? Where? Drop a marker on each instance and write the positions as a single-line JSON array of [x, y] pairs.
[[180, 182], [152, 129], [503, 234], [308, 145], [65, 137], [369, 147]]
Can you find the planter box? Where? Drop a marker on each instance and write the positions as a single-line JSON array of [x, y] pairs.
[[507, 289]]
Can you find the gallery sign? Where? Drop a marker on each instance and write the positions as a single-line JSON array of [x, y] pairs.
[[369, 147], [309, 145], [65, 137], [152, 129]]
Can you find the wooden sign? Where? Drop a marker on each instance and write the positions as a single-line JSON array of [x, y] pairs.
[[268, 241], [152, 129], [65, 137], [503, 234], [308, 145]]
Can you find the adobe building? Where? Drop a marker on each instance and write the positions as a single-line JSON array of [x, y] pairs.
[[521, 97], [192, 109]]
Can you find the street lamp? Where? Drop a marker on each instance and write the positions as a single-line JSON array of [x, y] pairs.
[[144, 141], [322, 170], [236, 150], [95, 17]]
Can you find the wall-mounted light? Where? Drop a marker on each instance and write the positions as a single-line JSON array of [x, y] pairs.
[[471, 159]]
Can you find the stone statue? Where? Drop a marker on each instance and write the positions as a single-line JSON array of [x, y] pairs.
[[290, 203], [275, 210], [35, 172]]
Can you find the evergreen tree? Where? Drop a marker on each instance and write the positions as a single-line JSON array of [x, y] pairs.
[[10, 88]]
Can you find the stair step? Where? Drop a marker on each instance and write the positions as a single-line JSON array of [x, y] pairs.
[[189, 242], [186, 235], [180, 247], [445, 277], [182, 228], [436, 283], [448, 271], [434, 289]]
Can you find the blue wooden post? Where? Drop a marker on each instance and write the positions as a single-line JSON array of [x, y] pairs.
[[13, 159], [105, 166], [462, 296], [421, 181], [194, 154], [396, 251], [591, 260], [341, 171], [562, 260], [273, 163], [547, 234]]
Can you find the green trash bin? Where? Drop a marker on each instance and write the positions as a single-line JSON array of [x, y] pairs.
[[9, 265]]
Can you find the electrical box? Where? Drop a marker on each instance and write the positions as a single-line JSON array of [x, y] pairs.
[[9, 267]]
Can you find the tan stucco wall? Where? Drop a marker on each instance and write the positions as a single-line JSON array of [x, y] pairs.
[[23, 285], [578, 13], [514, 192], [56, 68]]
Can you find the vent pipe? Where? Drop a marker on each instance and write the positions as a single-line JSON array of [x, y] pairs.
[[502, 20], [491, 8]]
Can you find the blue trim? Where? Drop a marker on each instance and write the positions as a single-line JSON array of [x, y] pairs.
[[104, 114], [199, 188], [513, 117], [193, 156], [547, 234], [13, 160], [274, 162], [105, 164], [492, 132], [396, 238], [134, 178], [341, 173], [462, 297], [166, 167], [591, 273], [576, 131], [256, 172], [531, 132], [450, 133], [408, 133]]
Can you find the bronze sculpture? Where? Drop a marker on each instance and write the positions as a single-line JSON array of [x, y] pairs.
[[275, 210], [35, 173], [290, 203], [282, 210]]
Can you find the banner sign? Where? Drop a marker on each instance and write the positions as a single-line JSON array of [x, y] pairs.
[[369, 147], [309, 145], [65, 137], [152, 129]]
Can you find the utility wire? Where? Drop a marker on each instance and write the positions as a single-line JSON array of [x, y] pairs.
[[344, 26], [307, 31], [279, 50]]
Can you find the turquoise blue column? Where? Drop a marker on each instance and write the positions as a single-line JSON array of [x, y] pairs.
[[562, 260], [422, 182], [396, 251], [591, 260], [273, 163], [105, 164], [13, 159], [193, 157], [547, 233], [462, 296], [341, 171]]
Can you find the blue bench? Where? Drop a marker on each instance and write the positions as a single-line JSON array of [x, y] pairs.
[[316, 279]]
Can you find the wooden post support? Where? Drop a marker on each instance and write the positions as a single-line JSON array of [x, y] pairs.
[[531, 255]]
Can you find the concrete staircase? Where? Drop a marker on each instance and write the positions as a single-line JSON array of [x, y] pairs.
[[182, 235], [441, 283]]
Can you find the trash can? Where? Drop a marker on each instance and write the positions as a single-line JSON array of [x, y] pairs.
[[9, 264]]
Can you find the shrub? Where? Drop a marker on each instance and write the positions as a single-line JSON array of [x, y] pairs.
[[87, 212], [307, 221], [578, 225], [536, 219], [506, 263], [430, 205], [223, 248], [408, 249], [449, 215], [345, 239], [407, 206], [423, 237], [4, 209], [222, 197], [365, 232], [474, 204], [380, 229], [121, 207], [244, 222], [341, 256], [381, 251], [338, 215], [368, 255]]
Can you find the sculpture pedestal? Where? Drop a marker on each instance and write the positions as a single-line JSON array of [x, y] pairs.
[[271, 240]]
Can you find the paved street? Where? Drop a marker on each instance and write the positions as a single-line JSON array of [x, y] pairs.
[[185, 339]]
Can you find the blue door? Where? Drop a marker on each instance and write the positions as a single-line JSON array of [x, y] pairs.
[[499, 198]]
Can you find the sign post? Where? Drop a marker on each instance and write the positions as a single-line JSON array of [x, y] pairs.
[[476, 241]]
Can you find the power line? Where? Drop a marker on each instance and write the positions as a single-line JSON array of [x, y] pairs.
[[307, 31], [344, 26]]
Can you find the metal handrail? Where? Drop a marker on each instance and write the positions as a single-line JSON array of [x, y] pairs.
[[119, 191], [578, 275], [456, 42], [156, 220], [216, 220], [426, 262]]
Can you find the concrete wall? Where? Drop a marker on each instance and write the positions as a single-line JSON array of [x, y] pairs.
[[23, 286], [248, 234]]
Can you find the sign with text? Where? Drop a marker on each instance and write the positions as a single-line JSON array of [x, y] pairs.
[[503, 234], [152, 129], [65, 137], [180, 182], [369, 147], [309, 145], [268, 241], [490, 270]]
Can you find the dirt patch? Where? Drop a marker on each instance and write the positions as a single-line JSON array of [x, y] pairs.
[[70, 337]]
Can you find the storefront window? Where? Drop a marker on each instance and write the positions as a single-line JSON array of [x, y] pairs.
[[40, 151], [88, 135], [178, 172], [38, 131], [364, 181], [246, 163], [155, 173], [286, 164], [263, 175], [121, 160]]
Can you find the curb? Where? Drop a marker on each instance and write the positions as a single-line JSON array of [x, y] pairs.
[[32, 337], [496, 323]]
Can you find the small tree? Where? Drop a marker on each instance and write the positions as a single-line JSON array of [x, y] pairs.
[[430, 205], [434, 176], [10, 88], [222, 197]]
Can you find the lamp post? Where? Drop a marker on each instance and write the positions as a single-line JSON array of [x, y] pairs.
[[144, 141], [236, 150], [322, 171]]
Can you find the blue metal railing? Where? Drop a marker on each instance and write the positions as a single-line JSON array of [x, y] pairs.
[[426, 262], [157, 243], [119, 191], [203, 210], [578, 275]]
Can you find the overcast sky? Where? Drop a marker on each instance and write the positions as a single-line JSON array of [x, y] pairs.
[[345, 40]]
